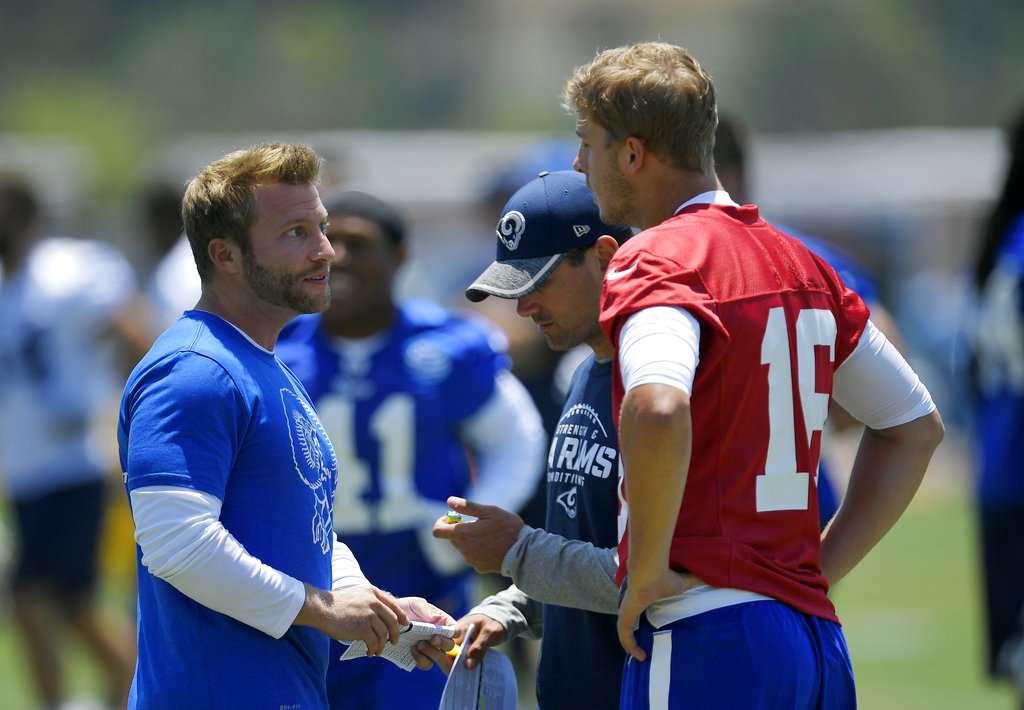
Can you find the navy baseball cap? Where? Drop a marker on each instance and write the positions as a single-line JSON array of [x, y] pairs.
[[552, 214]]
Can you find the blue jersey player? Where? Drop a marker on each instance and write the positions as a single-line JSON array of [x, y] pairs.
[[419, 405], [552, 252], [997, 332]]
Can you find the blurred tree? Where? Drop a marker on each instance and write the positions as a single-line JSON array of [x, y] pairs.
[[139, 70]]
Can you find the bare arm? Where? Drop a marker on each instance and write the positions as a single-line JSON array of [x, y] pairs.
[[362, 613], [878, 386], [887, 471], [656, 442]]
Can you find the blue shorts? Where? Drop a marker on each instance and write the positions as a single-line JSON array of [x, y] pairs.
[[756, 655], [59, 535], [378, 684]]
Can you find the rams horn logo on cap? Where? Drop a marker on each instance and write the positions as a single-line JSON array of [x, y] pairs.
[[510, 229]]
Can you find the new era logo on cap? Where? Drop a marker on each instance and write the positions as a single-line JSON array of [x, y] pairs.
[[580, 229]]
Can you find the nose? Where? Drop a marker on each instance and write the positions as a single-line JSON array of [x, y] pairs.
[[526, 305], [324, 249], [579, 163]]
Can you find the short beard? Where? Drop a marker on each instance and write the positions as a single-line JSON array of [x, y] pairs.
[[620, 212], [279, 288]]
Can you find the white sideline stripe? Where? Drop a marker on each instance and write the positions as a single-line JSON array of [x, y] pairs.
[[661, 666]]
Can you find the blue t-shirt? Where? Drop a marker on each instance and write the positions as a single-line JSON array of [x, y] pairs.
[[998, 341], [209, 409], [581, 660], [393, 408]]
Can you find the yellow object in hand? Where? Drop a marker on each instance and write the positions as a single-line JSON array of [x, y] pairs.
[[454, 651], [452, 517]]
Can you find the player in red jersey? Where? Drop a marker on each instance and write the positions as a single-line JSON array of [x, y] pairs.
[[731, 339]]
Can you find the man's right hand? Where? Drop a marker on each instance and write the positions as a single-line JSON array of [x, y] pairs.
[[484, 541], [362, 613]]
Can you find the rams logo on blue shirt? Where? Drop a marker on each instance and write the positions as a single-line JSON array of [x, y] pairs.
[[315, 462]]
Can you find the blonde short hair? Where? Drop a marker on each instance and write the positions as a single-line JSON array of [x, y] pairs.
[[220, 201], [653, 91]]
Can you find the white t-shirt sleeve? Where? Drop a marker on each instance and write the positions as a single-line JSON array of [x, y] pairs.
[[184, 543], [659, 345], [877, 386]]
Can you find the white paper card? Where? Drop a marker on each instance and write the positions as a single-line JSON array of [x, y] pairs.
[[401, 653]]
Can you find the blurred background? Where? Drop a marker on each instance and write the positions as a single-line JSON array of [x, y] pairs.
[[874, 124]]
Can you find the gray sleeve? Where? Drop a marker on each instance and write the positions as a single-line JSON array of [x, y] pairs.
[[514, 610], [556, 570]]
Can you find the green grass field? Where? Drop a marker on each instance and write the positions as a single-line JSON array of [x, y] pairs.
[[911, 612], [913, 617]]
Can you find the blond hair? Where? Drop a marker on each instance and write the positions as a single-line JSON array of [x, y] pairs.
[[220, 201], [653, 91]]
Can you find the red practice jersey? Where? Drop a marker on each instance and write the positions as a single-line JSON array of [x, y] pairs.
[[776, 322]]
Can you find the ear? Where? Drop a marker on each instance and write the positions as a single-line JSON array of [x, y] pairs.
[[635, 154], [605, 248], [225, 255], [401, 254]]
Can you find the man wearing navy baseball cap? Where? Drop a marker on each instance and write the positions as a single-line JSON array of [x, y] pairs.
[[553, 250], [548, 217]]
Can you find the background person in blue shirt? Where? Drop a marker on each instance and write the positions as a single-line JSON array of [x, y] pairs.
[[997, 334], [419, 403]]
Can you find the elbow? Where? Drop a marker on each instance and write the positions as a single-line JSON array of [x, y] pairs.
[[936, 429], [656, 407], [922, 435]]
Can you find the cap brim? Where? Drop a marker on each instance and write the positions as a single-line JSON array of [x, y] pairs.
[[513, 278]]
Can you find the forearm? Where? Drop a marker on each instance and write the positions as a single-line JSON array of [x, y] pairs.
[[887, 471], [655, 435], [570, 573]]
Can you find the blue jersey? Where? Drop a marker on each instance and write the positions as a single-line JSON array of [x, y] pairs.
[[999, 361], [581, 660], [393, 408], [208, 409]]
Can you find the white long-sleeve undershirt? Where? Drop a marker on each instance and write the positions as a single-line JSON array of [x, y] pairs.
[[506, 436], [184, 543], [875, 384]]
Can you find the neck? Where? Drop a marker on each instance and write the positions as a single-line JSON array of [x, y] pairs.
[[671, 188], [368, 323], [263, 325], [601, 346], [14, 257]]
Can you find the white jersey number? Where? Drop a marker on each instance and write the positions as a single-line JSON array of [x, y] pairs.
[[393, 425], [782, 486]]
